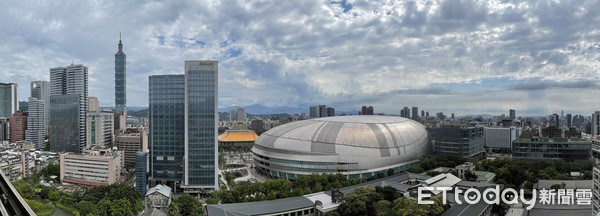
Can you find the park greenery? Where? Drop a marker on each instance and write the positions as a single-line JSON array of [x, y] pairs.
[[385, 201], [115, 199], [185, 205], [280, 188], [513, 173]]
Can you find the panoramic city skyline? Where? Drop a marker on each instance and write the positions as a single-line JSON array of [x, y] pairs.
[[458, 57]]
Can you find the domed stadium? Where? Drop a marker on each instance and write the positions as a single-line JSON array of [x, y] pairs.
[[356, 146]]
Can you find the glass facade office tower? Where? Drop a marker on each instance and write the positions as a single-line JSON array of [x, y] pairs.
[[183, 127], [36, 128], [313, 112], [67, 133], [201, 118], [141, 167], [9, 102], [120, 79], [166, 129], [68, 108], [464, 142]]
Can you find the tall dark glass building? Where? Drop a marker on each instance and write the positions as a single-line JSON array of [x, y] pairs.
[[201, 118], [166, 129], [68, 108], [141, 167], [183, 127], [120, 79]]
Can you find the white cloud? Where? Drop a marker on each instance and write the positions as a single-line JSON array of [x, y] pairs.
[[287, 53]]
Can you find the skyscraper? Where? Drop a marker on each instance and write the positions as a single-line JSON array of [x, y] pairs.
[[241, 114], [141, 168], [322, 111], [367, 110], [569, 120], [68, 108], [9, 101], [41, 91], [166, 129], [232, 115], [36, 128], [512, 114], [183, 117], [405, 112], [18, 125], [555, 120], [596, 123], [120, 79], [202, 117], [4, 133], [415, 113], [313, 112], [422, 113], [330, 111]]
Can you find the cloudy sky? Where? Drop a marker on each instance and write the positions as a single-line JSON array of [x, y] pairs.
[[465, 57]]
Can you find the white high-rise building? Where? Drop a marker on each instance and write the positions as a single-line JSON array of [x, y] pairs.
[[100, 129], [41, 91], [68, 108], [36, 128]]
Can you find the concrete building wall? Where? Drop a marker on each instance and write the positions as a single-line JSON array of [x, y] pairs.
[[100, 129], [93, 104], [92, 168], [131, 144]]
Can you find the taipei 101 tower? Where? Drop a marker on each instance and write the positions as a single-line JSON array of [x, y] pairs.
[[120, 88]]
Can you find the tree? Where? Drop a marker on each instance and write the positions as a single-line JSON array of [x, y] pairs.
[[382, 208], [103, 207], [174, 210], [26, 190], [54, 195], [389, 193], [50, 170], [470, 176], [121, 207], [360, 201], [85, 207], [390, 172], [187, 205], [67, 200]]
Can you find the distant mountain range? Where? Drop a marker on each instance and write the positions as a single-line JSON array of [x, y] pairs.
[[129, 108]]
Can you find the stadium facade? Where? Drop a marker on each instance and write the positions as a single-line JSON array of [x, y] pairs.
[[356, 146]]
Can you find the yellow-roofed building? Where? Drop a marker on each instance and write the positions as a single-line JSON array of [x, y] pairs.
[[237, 138]]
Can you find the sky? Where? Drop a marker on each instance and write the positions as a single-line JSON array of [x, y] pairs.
[[465, 57]]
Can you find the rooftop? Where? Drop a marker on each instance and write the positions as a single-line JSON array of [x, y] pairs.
[[259, 208], [569, 184], [238, 136], [163, 189]]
